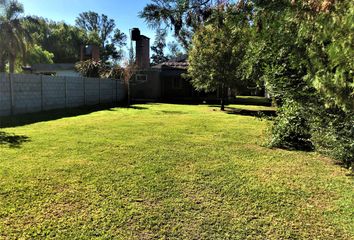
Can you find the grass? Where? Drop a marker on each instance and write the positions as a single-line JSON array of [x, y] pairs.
[[160, 171]]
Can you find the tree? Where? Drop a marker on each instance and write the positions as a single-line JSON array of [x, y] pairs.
[[59, 38], [13, 36], [158, 55], [111, 39], [216, 55], [331, 52], [130, 68], [185, 17], [36, 54], [174, 50], [303, 52]]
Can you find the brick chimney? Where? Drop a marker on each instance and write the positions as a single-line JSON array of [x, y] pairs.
[[142, 49], [143, 52], [90, 52]]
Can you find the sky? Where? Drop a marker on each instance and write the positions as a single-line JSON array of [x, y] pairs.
[[124, 12]]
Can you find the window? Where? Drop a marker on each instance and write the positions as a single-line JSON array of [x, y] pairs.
[[141, 77]]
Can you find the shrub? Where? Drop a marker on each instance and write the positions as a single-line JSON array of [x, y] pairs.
[[291, 128], [333, 134], [90, 68]]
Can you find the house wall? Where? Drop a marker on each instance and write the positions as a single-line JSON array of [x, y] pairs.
[[27, 93], [149, 89]]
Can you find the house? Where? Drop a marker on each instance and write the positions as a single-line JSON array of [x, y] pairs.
[[175, 86], [165, 81]]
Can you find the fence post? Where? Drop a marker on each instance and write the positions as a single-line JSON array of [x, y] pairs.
[[66, 92], [117, 91], [113, 96], [12, 100], [85, 101], [42, 97], [99, 91]]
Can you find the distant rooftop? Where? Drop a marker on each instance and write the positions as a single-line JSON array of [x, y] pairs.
[[175, 63], [53, 67]]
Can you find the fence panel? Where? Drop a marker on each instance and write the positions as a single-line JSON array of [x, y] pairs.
[[92, 91], [53, 92], [5, 95], [26, 93], [75, 92]]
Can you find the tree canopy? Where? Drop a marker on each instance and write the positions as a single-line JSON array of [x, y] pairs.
[[13, 36], [158, 48], [111, 39], [184, 17]]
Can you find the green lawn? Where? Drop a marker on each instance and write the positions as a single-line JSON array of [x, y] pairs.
[[160, 171]]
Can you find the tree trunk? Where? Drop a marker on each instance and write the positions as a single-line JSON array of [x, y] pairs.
[[12, 64], [222, 108]]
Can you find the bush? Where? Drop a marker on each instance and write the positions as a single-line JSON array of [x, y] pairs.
[[97, 69], [291, 128], [90, 68], [115, 72], [333, 135]]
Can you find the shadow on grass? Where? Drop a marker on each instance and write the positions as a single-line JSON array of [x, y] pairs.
[[12, 140], [138, 108], [252, 113], [248, 112], [26, 119], [252, 100]]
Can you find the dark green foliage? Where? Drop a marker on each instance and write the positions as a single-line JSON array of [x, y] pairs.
[[13, 36], [333, 134], [59, 38], [64, 40], [291, 128], [184, 17]]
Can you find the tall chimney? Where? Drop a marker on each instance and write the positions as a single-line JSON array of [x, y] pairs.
[[143, 52]]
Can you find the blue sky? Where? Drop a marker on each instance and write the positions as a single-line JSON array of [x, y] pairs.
[[124, 12]]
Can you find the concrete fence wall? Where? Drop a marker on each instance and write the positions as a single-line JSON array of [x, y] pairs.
[[26, 93]]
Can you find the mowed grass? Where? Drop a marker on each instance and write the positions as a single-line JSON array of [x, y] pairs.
[[160, 171]]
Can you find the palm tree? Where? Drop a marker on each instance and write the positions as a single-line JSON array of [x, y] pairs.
[[13, 36]]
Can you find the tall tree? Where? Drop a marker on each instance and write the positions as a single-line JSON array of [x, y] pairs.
[[185, 17], [304, 50], [217, 53], [111, 38], [13, 36], [159, 46], [59, 38], [174, 50]]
